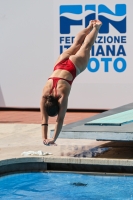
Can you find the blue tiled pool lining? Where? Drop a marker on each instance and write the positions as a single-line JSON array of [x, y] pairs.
[[65, 186]]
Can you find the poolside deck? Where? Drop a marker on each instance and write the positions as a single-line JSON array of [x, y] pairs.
[[21, 131]]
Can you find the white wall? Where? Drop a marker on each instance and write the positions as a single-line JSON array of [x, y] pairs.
[[29, 45], [26, 51]]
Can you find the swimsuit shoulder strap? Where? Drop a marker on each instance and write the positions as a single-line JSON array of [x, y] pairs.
[[55, 81]]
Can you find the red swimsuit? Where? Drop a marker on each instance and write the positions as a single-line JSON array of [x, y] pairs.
[[66, 65]]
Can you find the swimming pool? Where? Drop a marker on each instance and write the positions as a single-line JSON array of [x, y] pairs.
[[63, 186]]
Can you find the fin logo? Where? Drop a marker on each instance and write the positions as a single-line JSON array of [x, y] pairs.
[[72, 15], [66, 15]]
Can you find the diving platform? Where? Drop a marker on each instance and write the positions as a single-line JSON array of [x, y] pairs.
[[113, 125]]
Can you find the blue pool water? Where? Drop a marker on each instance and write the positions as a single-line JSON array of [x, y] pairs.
[[62, 186]]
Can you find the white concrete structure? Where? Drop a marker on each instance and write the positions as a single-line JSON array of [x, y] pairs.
[[32, 36]]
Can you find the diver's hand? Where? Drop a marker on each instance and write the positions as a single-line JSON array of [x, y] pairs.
[[49, 142]]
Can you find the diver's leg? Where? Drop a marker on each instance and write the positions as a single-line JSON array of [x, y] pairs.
[[81, 58], [78, 41]]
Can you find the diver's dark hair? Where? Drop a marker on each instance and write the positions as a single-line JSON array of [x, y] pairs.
[[52, 105]]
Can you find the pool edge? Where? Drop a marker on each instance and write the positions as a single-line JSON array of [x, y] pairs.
[[41, 163]]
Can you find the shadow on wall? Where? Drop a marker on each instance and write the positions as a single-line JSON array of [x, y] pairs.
[[2, 102]]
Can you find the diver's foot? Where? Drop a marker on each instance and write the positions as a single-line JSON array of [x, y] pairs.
[[97, 24], [91, 24]]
